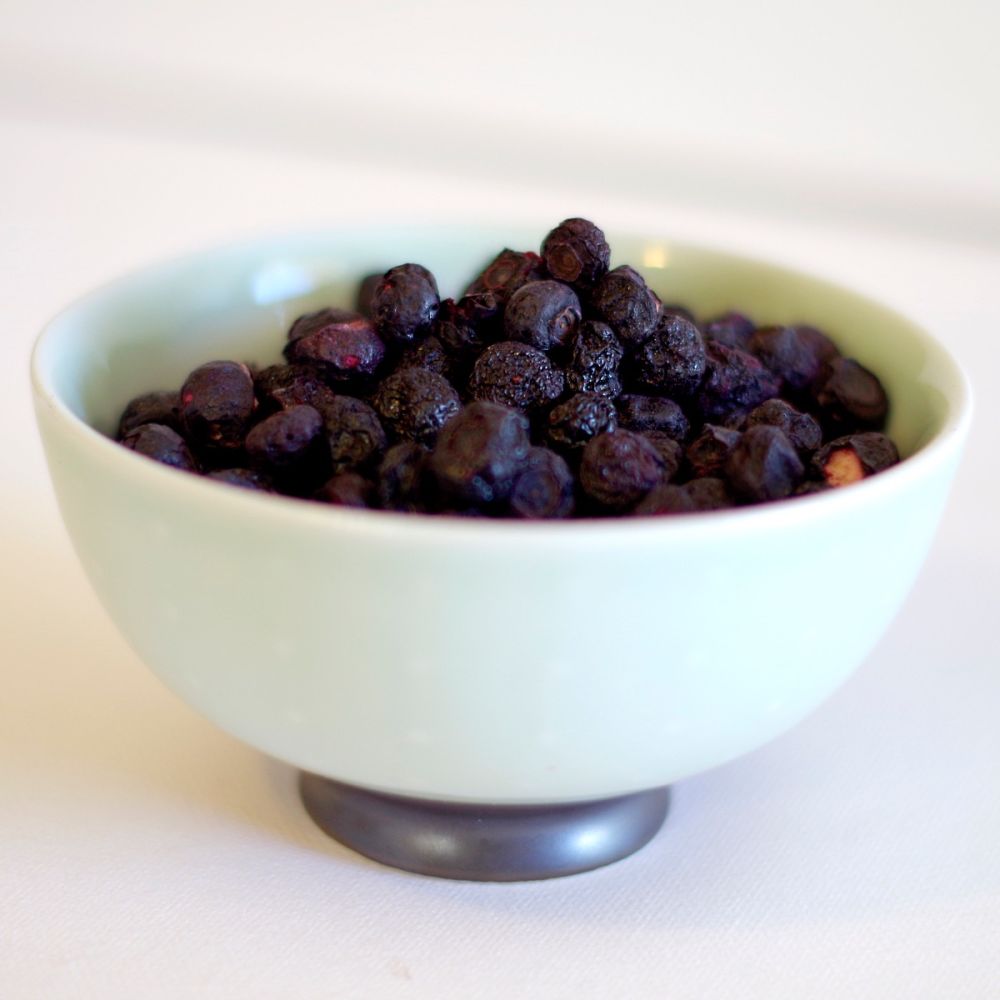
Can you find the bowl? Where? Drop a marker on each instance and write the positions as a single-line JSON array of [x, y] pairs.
[[544, 682]]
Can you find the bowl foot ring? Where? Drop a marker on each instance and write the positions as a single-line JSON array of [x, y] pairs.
[[484, 843]]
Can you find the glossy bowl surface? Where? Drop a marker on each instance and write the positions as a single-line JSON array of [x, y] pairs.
[[475, 660]]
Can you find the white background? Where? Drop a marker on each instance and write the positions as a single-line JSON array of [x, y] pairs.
[[142, 853]]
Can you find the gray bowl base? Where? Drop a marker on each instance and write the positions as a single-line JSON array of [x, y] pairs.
[[484, 843]]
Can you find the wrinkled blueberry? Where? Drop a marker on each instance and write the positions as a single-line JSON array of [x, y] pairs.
[[355, 435], [788, 354], [414, 404], [764, 465], [735, 382], [595, 356], [247, 479], [346, 489], [620, 468], [734, 329], [162, 443], [854, 457], [625, 302], [309, 323], [479, 454], [676, 309], [850, 397], [665, 498], [506, 273], [672, 360], [405, 303], [428, 353], [821, 344], [343, 346], [576, 252], [652, 413], [400, 482], [544, 314], [707, 454], [281, 386], [365, 293], [543, 488], [800, 428], [291, 447], [515, 375], [151, 408], [216, 404], [583, 416], [467, 326], [709, 493], [670, 451]]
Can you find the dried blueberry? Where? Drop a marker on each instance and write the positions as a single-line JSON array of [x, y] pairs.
[[707, 454], [800, 428], [854, 457], [670, 451], [620, 468], [671, 362], [583, 416], [366, 290], [405, 303], [216, 404], [506, 273], [850, 397], [790, 355], [515, 375], [467, 326], [735, 382], [291, 447], [428, 353], [544, 314], [479, 454], [764, 465], [415, 403], [652, 413], [162, 443], [594, 358], [544, 487], [247, 479], [281, 386], [709, 493], [820, 343], [624, 301], [346, 489], [346, 350], [734, 329], [355, 435], [665, 499], [576, 252], [151, 408], [400, 482]]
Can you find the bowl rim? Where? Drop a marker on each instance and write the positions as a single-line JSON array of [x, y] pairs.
[[201, 491]]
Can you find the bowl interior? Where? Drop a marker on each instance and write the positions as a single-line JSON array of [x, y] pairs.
[[149, 330]]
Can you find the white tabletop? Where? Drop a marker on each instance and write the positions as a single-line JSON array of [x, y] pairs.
[[145, 854]]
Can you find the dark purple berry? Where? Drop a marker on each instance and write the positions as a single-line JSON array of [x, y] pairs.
[[709, 493], [850, 397], [216, 404], [670, 451], [624, 301], [309, 323], [671, 362], [247, 479], [619, 469], [467, 326], [733, 329], [800, 428], [366, 291], [291, 447], [515, 375], [151, 408], [544, 487], [576, 252], [346, 489], [764, 465], [822, 346], [583, 416], [162, 443], [665, 499], [346, 350], [414, 404], [428, 353], [790, 355], [400, 484], [854, 457], [280, 386], [735, 382], [652, 413], [707, 454], [405, 303], [355, 435], [676, 309], [595, 356], [506, 273], [479, 454], [544, 314]]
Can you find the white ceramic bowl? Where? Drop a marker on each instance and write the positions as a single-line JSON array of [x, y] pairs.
[[470, 660]]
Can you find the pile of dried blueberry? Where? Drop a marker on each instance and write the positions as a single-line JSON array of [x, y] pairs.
[[553, 387]]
